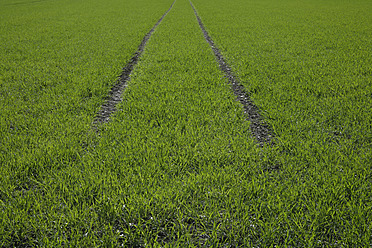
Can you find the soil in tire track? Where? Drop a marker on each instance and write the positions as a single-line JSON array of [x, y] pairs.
[[262, 131], [114, 96]]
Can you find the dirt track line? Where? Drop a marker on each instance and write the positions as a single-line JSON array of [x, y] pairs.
[[114, 96], [259, 129]]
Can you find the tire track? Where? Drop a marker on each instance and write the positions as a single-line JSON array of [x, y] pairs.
[[262, 131], [114, 96]]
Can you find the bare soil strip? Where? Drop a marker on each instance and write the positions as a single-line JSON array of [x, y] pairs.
[[114, 96], [259, 129]]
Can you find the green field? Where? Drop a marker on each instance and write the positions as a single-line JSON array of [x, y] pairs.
[[177, 164]]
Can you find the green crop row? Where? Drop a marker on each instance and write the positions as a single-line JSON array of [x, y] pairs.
[[307, 65], [179, 151], [177, 165], [166, 169], [58, 60]]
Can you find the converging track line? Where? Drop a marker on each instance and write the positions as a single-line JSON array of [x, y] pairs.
[[259, 129], [114, 96]]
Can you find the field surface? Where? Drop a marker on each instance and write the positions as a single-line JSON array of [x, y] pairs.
[[180, 162]]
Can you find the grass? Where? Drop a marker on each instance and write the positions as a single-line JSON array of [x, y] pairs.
[[53, 78], [59, 60], [306, 65], [177, 166]]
